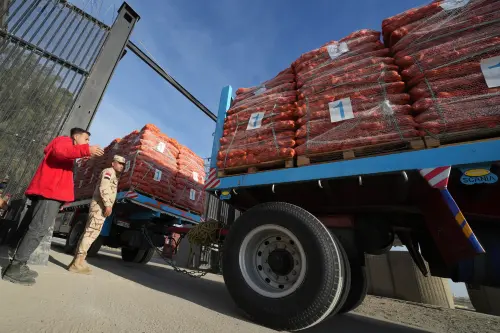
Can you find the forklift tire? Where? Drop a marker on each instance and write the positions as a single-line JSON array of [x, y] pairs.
[[358, 289], [95, 247], [283, 268], [73, 237]]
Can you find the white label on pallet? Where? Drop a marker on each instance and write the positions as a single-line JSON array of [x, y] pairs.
[[340, 110], [161, 147], [335, 50], [260, 91], [195, 176], [491, 71], [387, 108], [157, 175], [127, 166], [192, 194], [453, 4], [255, 120]]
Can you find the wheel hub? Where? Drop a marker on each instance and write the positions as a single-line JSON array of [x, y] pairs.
[[272, 261], [280, 261]]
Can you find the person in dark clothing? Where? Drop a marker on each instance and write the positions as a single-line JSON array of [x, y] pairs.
[[49, 189]]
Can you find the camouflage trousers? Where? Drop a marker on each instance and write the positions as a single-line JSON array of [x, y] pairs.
[[92, 228]]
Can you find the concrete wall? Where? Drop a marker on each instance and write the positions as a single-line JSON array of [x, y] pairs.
[[395, 275], [485, 299]]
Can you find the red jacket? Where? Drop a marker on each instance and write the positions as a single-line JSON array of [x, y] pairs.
[[54, 177]]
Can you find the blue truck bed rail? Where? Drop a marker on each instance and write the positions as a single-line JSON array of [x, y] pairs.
[[145, 201], [453, 155]]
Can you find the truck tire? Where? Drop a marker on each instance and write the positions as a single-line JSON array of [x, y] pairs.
[[283, 268], [132, 254], [358, 288], [95, 247], [74, 235], [148, 254]]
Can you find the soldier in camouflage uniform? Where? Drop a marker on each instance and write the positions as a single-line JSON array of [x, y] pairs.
[[100, 208]]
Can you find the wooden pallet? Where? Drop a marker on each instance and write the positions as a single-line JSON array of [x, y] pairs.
[[449, 139], [379, 149], [271, 165]]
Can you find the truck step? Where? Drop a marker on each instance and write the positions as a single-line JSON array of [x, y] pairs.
[[449, 139], [244, 169], [349, 154]]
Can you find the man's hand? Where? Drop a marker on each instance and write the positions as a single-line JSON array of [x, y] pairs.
[[96, 151], [108, 211]]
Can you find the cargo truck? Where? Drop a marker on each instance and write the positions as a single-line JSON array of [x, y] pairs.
[[134, 216], [296, 254]]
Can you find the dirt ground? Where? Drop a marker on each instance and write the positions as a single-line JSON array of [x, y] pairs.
[[125, 297]]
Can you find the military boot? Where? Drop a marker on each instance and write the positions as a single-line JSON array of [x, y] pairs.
[[18, 273], [78, 265]]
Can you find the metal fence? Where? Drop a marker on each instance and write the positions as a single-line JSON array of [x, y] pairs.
[[47, 50]]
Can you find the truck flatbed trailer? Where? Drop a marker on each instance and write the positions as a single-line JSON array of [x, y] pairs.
[[133, 214], [296, 255]]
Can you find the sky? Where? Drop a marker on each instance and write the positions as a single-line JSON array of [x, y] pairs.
[[206, 45]]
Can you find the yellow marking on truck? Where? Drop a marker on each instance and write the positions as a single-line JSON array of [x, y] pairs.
[[477, 172], [467, 230], [460, 218]]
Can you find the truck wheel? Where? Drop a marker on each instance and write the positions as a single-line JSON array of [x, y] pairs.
[[283, 268], [147, 256], [95, 247], [132, 254], [358, 288], [74, 236]]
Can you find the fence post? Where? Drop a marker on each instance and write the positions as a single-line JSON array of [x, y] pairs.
[[88, 101]]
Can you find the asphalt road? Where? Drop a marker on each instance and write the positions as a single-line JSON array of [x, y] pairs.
[[125, 297]]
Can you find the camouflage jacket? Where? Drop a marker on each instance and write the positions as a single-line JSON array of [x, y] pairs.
[[106, 187]]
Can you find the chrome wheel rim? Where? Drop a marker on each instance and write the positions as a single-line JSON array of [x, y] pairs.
[[272, 261]]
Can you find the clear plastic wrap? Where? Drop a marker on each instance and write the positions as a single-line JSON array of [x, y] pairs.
[[190, 181], [157, 165], [146, 175], [351, 95], [260, 125], [449, 55]]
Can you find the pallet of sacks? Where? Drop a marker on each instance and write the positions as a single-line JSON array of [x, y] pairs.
[[189, 192], [84, 178], [351, 101], [449, 56], [259, 130], [151, 165], [157, 166]]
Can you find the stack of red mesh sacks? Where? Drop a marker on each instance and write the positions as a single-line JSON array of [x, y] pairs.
[[260, 125], [88, 170], [350, 95], [190, 180], [84, 178], [445, 51], [151, 163]]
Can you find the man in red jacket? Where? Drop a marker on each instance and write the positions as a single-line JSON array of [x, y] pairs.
[[51, 186]]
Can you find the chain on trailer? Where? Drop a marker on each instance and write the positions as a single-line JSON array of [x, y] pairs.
[[203, 234]]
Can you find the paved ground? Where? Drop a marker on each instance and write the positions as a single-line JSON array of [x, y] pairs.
[[124, 297]]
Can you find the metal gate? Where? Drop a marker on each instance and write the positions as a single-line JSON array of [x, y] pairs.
[[48, 49]]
